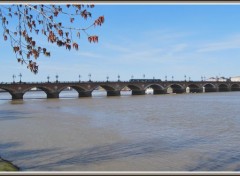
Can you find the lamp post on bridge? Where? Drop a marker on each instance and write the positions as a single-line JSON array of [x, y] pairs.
[[189, 79], [165, 78], [107, 78], [89, 75], [172, 78], [202, 78], [79, 76], [20, 75], [118, 77], [56, 78], [143, 76], [14, 76], [48, 77], [185, 77]]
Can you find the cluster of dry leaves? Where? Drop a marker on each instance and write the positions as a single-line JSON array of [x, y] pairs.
[[34, 18]]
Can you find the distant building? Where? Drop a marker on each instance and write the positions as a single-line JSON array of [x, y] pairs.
[[235, 78], [220, 79], [223, 79], [211, 79]]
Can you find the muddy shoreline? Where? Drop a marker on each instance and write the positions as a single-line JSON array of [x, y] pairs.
[[6, 165]]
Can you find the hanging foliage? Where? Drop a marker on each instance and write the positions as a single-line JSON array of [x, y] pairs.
[[49, 20]]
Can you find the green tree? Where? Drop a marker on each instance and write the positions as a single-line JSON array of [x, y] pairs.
[[22, 22]]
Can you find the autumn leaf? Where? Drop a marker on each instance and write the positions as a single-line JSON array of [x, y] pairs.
[[56, 13], [68, 46], [85, 14], [75, 45], [15, 49], [33, 43], [93, 39], [60, 32], [99, 21]]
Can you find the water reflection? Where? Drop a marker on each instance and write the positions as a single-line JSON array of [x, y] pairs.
[[16, 102]]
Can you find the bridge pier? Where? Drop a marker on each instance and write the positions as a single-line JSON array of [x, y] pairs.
[[156, 92], [225, 89], [201, 90], [195, 90], [235, 89], [178, 91], [138, 92], [84, 94], [113, 93], [17, 96], [211, 90], [53, 95]]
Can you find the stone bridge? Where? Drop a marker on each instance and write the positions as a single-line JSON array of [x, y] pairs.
[[85, 89]]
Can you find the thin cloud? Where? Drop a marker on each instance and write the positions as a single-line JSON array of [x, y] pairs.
[[232, 42], [147, 48], [89, 54], [167, 35], [114, 47]]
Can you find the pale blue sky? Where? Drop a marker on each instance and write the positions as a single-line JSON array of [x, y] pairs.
[[156, 40]]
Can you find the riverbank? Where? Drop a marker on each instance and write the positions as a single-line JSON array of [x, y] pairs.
[[7, 166]]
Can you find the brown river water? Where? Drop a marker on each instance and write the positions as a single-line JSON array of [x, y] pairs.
[[173, 132]]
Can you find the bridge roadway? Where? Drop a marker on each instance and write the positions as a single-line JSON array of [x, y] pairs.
[[84, 89]]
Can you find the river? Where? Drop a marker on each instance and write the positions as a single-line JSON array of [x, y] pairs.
[[172, 132]]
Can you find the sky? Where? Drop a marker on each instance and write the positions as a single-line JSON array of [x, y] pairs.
[[156, 40]]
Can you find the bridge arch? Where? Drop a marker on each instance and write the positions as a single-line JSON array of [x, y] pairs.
[[209, 87], [157, 89], [132, 87], [223, 88], [77, 88], [235, 87], [9, 91], [99, 91], [136, 90], [46, 90], [40, 92], [82, 92], [193, 88], [106, 87], [110, 91], [176, 88]]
